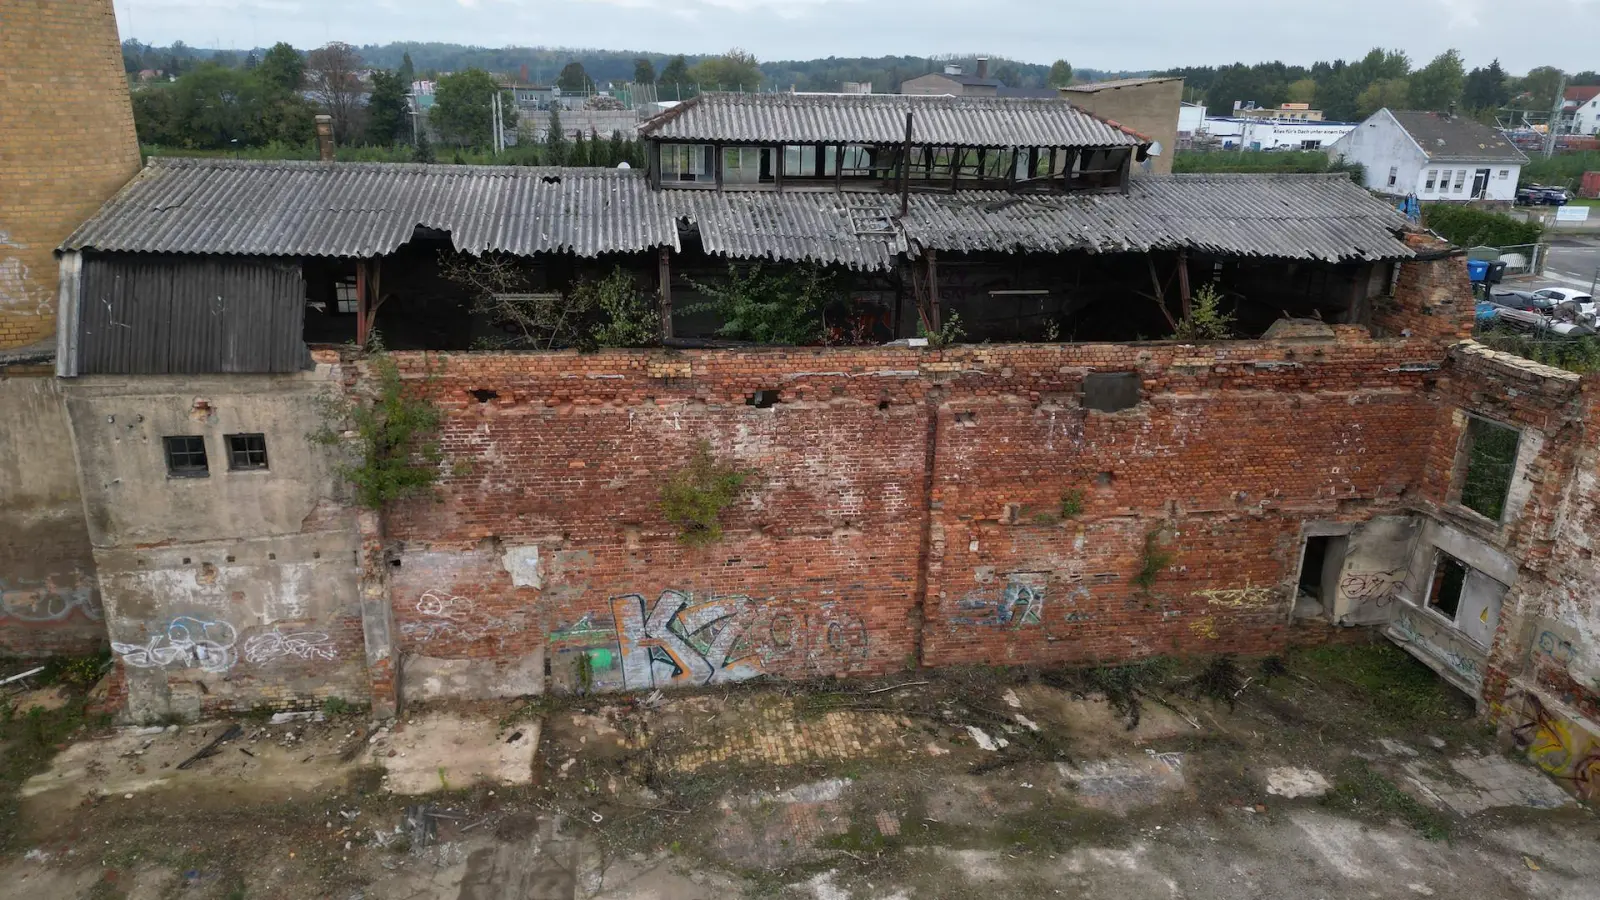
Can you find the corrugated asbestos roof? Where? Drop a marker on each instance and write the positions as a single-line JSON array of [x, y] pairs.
[[881, 119], [1311, 217], [364, 209], [284, 208]]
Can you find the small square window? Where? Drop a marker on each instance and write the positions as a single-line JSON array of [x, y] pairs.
[[1394, 175], [1433, 176], [344, 293], [247, 451], [1504, 174], [186, 456]]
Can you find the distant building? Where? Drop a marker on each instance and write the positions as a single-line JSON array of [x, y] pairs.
[[1580, 110], [1231, 133], [1292, 112], [1150, 106], [1435, 156], [856, 87], [955, 82]]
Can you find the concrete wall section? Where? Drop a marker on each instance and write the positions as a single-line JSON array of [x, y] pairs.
[[49, 598], [234, 590]]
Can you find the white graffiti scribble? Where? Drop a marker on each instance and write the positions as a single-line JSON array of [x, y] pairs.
[[187, 642], [271, 645], [455, 617]]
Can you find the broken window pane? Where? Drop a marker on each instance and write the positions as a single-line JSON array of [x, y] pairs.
[[1491, 452], [1444, 594]]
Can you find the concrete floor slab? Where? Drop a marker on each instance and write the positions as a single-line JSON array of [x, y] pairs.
[[437, 751]]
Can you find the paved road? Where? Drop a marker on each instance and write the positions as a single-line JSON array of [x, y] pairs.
[[1573, 262]]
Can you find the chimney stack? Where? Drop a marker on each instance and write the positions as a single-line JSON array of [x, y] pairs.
[[325, 137], [983, 67]]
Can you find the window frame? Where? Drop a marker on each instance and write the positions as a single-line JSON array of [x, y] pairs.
[[188, 469], [248, 452], [1464, 452], [1435, 583], [1433, 176], [1394, 175]]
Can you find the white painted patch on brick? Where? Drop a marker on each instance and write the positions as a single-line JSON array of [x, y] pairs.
[[523, 564]]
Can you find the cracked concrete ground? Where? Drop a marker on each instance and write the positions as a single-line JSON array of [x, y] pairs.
[[948, 785]]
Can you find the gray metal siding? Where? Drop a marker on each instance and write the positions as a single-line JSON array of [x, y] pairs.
[[170, 315]]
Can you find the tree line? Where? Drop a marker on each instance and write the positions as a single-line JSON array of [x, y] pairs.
[[1354, 89]]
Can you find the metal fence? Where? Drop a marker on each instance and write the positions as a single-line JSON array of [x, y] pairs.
[[1520, 259]]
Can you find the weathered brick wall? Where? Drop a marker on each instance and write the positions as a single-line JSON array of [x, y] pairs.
[[1432, 295], [554, 465], [67, 144]]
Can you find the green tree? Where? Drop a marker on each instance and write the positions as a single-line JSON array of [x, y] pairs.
[[1586, 78], [1390, 93], [675, 74], [217, 108], [1538, 88], [732, 71], [1485, 88], [1302, 91], [388, 112], [463, 109], [555, 140], [618, 151], [423, 151], [644, 71], [579, 154], [573, 79], [1439, 83], [333, 75], [282, 69], [407, 72], [1060, 73]]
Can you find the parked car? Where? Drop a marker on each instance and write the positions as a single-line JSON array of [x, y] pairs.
[[1586, 304], [1529, 301], [1542, 195]]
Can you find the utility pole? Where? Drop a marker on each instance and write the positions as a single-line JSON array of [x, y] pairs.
[[1555, 119]]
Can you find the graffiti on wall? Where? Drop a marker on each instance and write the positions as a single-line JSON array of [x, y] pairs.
[[1556, 647], [1020, 602], [49, 602], [1443, 645], [187, 643], [445, 615], [274, 645], [680, 640], [1569, 754], [1247, 597], [1375, 588]]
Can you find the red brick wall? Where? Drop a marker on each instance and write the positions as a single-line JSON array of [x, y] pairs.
[[1433, 296], [1232, 446]]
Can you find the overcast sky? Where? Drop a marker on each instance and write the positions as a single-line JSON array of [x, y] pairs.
[[1101, 34]]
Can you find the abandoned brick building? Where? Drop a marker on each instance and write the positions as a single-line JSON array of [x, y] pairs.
[[1067, 483]]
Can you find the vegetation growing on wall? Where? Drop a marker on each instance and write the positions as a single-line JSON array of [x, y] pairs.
[[628, 316], [604, 312], [1575, 354], [950, 332], [1153, 560], [393, 435], [695, 496], [1468, 227], [1206, 320], [770, 304]]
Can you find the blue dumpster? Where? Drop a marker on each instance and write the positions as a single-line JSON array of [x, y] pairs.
[[1477, 269]]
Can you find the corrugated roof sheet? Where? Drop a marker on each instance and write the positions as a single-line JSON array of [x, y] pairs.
[[363, 209], [881, 118], [1446, 137], [1311, 217], [293, 208]]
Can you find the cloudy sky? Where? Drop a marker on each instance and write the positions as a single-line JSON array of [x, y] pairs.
[[1103, 34]]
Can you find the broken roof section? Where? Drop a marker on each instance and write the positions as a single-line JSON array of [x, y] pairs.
[[239, 207], [881, 119], [1443, 136]]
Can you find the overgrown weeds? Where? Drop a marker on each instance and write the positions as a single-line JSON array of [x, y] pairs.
[[1363, 791], [30, 740], [1206, 320], [695, 496], [770, 304], [1220, 681], [1123, 686], [1395, 686], [1153, 560], [393, 437]]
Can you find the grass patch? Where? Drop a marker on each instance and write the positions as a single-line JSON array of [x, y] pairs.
[[1363, 791], [1396, 686], [29, 741]]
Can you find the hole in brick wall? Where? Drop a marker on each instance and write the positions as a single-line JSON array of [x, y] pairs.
[[883, 405], [272, 556], [1104, 479], [316, 554], [230, 559], [484, 395], [968, 419], [395, 563], [762, 399], [1110, 391], [186, 560]]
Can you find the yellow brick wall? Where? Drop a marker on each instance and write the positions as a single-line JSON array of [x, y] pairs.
[[66, 145]]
